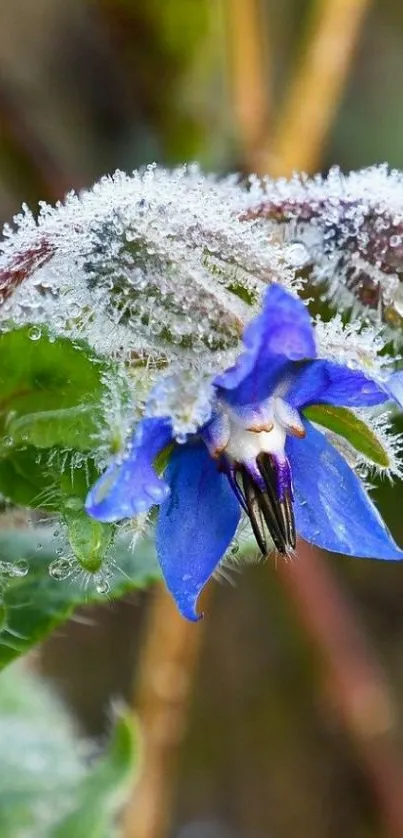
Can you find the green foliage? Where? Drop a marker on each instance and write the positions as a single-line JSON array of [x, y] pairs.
[[344, 422], [50, 390], [48, 786], [104, 790], [89, 539], [35, 603], [50, 420]]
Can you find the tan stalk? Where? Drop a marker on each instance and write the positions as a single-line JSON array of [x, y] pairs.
[[314, 93]]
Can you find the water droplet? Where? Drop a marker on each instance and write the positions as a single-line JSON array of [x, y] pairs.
[[35, 333], [298, 255], [20, 568], [60, 569], [103, 586]]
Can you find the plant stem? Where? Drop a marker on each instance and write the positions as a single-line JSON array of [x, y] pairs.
[[164, 684], [314, 94], [248, 77], [358, 688]]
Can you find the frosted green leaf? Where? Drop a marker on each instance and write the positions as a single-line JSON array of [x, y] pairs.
[[48, 789], [344, 422], [35, 604], [89, 540], [50, 391], [104, 789]]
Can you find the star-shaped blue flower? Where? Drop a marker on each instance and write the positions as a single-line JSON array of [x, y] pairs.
[[257, 453]]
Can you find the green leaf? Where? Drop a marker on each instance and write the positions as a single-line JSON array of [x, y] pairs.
[[47, 789], [70, 427], [105, 789], [40, 765], [344, 422], [36, 603], [44, 478], [58, 482], [50, 390]]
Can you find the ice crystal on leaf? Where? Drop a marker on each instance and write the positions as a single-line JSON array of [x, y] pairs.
[[348, 230], [154, 263]]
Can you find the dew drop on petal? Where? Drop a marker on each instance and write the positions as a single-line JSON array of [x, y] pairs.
[[155, 491]]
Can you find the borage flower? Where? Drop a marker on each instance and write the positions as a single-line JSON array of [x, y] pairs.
[[257, 454]]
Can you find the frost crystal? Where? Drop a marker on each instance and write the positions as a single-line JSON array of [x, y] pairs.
[[348, 229], [149, 265]]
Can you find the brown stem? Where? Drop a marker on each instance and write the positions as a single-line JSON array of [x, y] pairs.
[[22, 266], [248, 77], [358, 686], [165, 679], [314, 94]]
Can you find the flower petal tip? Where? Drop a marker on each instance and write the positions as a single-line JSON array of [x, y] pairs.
[[187, 606]]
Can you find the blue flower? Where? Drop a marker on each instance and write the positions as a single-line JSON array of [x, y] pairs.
[[257, 454]]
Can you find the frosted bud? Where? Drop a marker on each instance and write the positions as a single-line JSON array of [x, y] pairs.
[[150, 265], [186, 397], [352, 229]]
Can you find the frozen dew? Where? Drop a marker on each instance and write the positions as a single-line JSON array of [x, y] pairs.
[[19, 568], [352, 228], [155, 263], [398, 300], [354, 344], [186, 397]]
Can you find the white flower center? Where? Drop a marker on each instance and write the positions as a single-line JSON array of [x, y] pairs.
[[245, 446], [252, 431]]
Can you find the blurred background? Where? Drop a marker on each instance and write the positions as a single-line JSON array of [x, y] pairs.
[[279, 716]]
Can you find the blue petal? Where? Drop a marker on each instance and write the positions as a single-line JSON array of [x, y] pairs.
[[216, 434], [324, 382], [195, 525], [281, 333], [131, 486], [394, 387], [332, 508]]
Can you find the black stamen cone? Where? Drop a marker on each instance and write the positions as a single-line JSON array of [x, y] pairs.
[[266, 511]]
